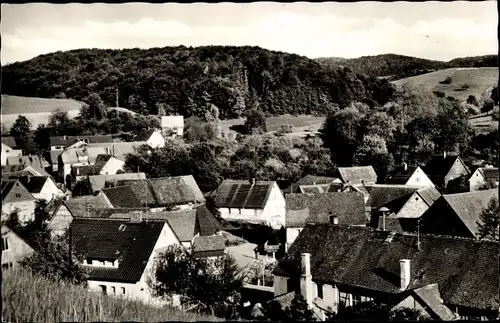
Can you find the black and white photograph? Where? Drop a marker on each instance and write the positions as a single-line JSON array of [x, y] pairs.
[[260, 161]]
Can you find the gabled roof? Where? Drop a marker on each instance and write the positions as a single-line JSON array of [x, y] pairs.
[[121, 196], [361, 257], [37, 162], [53, 156], [129, 243], [428, 194], [357, 174], [206, 222], [145, 135], [7, 185], [80, 206], [469, 206], [401, 175], [12, 142], [314, 189], [241, 194], [86, 170], [70, 140], [19, 170], [490, 173], [381, 194], [99, 181], [311, 180], [34, 184], [431, 297], [209, 243], [439, 166], [117, 149], [349, 207]]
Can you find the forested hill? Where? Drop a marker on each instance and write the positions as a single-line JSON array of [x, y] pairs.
[[185, 80], [399, 66]]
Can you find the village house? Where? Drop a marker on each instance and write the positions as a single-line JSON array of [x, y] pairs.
[[153, 137], [357, 175], [12, 142], [121, 197], [104, 165], [41, 187], [16, 197], [9, 152], [413, 176], [165, 193], [209, 247], [457, 214], [344, 208], [36, 162], [52, 156], [336, 266], [62, 142], [307, 181], [483, 175], [172, 126], [255, 201], [98, 182], [404, 213], [120, 254], [19, 170], [14, 248], [444, 168]]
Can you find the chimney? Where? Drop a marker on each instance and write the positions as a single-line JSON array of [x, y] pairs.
[[405, 166], [78, 171], [405, 273], [306, 285], [28, 180], [444, 154], [252, 181], [334, 219]]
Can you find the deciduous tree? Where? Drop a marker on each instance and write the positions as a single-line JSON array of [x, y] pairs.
[[489, 222]]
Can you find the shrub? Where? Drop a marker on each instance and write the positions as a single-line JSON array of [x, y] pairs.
[[284, 128], [447, 80]]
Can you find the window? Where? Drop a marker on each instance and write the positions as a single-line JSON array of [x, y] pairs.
[[344, 299], [102, 263], [18, 195], [7, 265], [89, 261], [113, 289], [356, 300], [103, 289], [320, 290], [5, 244], [123, 290], [239, 211]]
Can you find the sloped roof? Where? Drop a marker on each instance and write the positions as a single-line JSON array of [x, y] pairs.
[[99, 181], [144, 135], [428, 194], [69, 140], [183, 222], [359, 256], [357, 174], [349, 207], [117, 149], [103, 239], [241, 194], [7, 185], [12, 142], [311, 180], [86, 170], [79, 206], [53, 156], [439, 166], [490, 173], [121, 196], [381, 194], [469, 206], [430, 296], [206, 222], [15, 171], [37, 162], [34, 184], [314, 189], [401, 175], [209, 243]]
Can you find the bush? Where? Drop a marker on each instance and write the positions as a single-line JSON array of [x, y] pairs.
[[284, 128], [31, 298], [488, 105], [447, 80]]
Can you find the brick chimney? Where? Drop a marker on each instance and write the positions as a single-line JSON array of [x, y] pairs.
[[405, 273], [306, 285]]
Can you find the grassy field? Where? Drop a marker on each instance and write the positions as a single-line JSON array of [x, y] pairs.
[[464, 81], [26, 298]]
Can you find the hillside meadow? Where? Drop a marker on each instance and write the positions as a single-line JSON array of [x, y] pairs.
[[28, 298]]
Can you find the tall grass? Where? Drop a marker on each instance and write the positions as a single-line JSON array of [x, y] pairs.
[[28, 298]]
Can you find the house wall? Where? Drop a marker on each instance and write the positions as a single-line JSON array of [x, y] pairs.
[[411, 302], [291, 235], [280, 285], [112, 166], [413, 208], [476, 180], [156, 140], [17, 248], [49, 191], [442, 219], [419, 178], [456, 170], [9, 152], [60, 221]]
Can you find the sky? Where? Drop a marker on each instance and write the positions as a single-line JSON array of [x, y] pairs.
[[434, 30]]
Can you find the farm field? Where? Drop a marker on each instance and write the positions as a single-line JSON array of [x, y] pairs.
[[464, 81]]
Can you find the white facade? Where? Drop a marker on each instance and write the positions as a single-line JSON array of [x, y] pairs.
[[140, 290], [112, 166], [9, 152], [291, 235], [156, 140], [273, 213], [419, 178], [26, 210], [173, 124], [476, 180], [49, 191]]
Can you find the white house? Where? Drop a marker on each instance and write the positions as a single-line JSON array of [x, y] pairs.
[[104, 165], [9, 152], [153, 137], [14, 248], [16, 197], [41, 187], [172, 125], [413, 176], [254, 201], [483, 175], [120, 254]]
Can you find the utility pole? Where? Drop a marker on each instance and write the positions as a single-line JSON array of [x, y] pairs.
[[498, 165]]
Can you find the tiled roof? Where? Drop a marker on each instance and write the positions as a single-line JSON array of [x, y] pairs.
[[15, 171], [431, 297], [144, 135], [7, 185], [241, 194], [465, 270], [357, 174], [206, 222], [117, 149], [314, 189], [54, 156], [86, 170], [99, 181], [310, 180], [34, 184], [490, 174], [131, 246], [381, 194], [69, 140], [80, 206], [12, 142], [429, 194], [349, 207], [37, 162], [121, 196], [401, 175], [438, 167], [469, 206], [209, 243]]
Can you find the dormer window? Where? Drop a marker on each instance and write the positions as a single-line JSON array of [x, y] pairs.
[[122, 227]]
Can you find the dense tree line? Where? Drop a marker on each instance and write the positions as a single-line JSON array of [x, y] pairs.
[[187, 80]]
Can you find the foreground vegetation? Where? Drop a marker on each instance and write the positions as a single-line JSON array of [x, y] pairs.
[[30, 298]]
